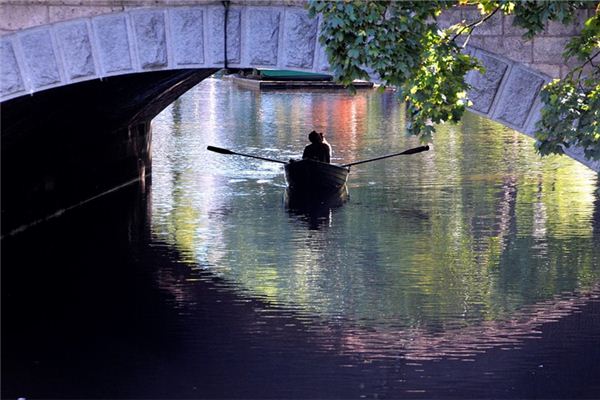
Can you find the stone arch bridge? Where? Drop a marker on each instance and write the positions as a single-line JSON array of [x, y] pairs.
[[80, 82]]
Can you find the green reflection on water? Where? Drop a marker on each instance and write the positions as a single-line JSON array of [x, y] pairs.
[[474, 230]]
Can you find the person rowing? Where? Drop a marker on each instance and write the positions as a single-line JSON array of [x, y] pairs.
[[318, 149]]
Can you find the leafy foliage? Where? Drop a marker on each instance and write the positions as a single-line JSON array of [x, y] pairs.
[[533, 15], [571, 117], [571, 113], [402, 45]]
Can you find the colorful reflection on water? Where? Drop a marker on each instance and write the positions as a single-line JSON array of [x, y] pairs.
[[445, 254]]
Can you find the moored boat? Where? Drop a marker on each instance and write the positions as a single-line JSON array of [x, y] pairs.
[[315, 181]]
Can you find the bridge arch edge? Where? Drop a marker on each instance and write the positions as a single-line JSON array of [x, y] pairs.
[[509, 93], [157, 38]]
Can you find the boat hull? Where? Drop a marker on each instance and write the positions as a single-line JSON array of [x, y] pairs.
[[316, 182]]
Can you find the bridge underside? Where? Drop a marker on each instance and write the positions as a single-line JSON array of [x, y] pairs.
[[62, 146]]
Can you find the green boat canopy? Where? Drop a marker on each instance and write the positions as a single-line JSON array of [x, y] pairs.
[[283, 75]]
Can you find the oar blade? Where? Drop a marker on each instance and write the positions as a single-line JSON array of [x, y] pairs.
[[416, 150], [219, 150]]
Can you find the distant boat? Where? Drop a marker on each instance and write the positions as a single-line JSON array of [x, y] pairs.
[[310, 181], [284, 75], [278, 79]]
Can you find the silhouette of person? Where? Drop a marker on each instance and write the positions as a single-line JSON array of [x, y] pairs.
[[318, 149]]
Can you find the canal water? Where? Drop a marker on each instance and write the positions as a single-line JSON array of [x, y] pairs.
[[468, 271]]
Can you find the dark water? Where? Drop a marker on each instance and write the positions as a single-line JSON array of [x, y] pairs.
[[472, 270]]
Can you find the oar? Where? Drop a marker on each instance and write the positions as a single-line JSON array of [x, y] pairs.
[[226, 151], [405, 152]]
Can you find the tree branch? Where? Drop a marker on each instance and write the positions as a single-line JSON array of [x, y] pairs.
[[591, 59], [475, 24], [579, 69]]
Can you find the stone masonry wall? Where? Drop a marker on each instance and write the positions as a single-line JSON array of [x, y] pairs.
[[542, 53], [143, 39], [21, 14], [498, 36]]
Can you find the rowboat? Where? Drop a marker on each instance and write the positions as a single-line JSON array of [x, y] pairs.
[[310, 181]]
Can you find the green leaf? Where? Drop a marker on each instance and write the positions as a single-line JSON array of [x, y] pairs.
[[401, 42]]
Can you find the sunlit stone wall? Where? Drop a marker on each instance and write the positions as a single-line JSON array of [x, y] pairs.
[[543, 53], [498, 36], [56, 42], [139, 39]]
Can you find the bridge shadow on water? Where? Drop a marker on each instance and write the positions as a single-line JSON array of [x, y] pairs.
[[94, 306]]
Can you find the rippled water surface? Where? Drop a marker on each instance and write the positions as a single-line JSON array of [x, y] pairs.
[[470, 270], [475, 232]]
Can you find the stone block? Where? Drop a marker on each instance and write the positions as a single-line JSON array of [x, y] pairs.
[[113, 43], [234, 32], [510, 29], [513, 47], [20, 16], [556, 28], [299, 39], [485, 86], [534, 116], [263, 36], [517, 97], [149, 28], [74, 40], [564, 70], [322, 57], [548, 50], [491, 27], [449, 17], [187, 33], [551, 70], [10, 75], [40, 58], [474, 41]]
